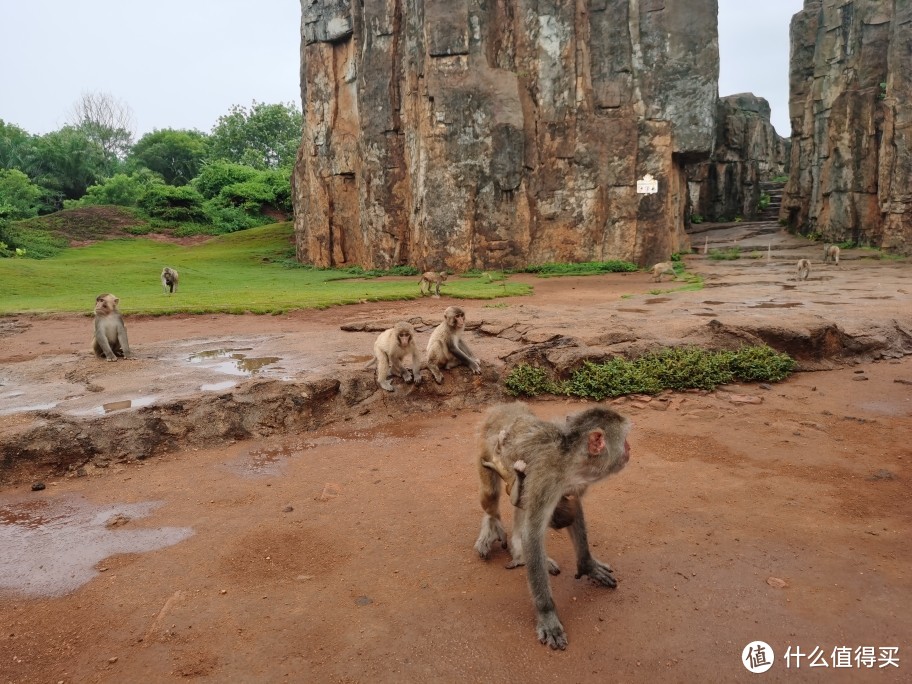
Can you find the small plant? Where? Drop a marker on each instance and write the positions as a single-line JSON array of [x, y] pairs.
[[729, 254], [696, 218], [528, 380], [738, 219], [764, 201], [780, 179], [675, 258], [882, 95]]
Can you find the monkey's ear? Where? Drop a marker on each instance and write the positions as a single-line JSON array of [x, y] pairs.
[[596, 442]]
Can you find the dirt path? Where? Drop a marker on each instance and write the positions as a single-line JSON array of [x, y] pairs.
[[345, 554]]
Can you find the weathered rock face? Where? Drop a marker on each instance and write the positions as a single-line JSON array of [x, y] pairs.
[[495, 133], [748, 152], [851, 156]]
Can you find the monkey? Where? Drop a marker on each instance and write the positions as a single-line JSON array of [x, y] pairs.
[[390, 348], [831, 252], [169, 278], [110, 332], [447, 348], [660, 269], [559, 462], [804, 269], [431, 278]]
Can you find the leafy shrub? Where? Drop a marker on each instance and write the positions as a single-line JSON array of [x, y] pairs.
[[764, 201], [227, 219], [20, 198], [529, 380], [696, 218], [35, 244], [177, 204], [674, 368], [220, 174], [582, 268], [780, 179], [123, 190]]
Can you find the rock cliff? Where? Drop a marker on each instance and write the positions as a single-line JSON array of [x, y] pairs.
[[851, 156], [748, 152], [494, 133]]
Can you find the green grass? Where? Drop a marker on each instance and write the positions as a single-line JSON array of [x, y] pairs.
[[672, 368], [582, 268], [241, 272]]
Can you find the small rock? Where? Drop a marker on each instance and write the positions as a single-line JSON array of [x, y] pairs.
[[364, 600], [765, 386], [745, 399], [288, 509], [117, 520], [112, 660], [860, 377], [776, 582], [883, 475], [37, 486]]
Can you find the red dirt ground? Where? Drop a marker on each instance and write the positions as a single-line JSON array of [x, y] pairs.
[[346, 555]]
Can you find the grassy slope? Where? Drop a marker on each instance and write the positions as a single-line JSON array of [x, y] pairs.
[[232, 273]]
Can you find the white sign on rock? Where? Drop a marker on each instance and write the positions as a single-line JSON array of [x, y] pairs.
[[647, 185]]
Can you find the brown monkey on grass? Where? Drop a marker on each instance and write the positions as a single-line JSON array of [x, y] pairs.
[[554, 465], [432, 279], [390, 348], [110, 332], [447, 348]]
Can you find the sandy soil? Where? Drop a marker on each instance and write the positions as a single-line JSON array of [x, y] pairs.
[[345, 554]]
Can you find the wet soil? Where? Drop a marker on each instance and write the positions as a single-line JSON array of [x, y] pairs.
[[343, 552]]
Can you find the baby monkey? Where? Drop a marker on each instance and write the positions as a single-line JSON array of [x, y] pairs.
[[432, 278], [110, 332], [390, 348], [548, 467], [804, 269]]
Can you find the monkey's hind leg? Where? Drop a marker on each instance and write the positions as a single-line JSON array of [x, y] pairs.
[[491, 528]]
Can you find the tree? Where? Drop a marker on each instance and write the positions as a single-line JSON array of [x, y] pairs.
[[266, 136], [106, 121], [123, 190], [20, 198], [15, 146], [67, 162], [176, 155]]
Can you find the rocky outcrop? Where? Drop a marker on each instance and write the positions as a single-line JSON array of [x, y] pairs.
[[475, 134], [851, 157], [748, 153]]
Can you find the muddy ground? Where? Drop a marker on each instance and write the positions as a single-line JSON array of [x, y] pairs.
[[328, 536]]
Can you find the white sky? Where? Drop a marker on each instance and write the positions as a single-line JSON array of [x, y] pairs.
[[183, 63]]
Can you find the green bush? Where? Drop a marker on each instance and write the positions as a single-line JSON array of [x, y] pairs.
[[696, 218], [123, 190], [582, 268], [530, 380], [674, 368], [227, 219], [729, 254], [220, 174], [764, 201], [20, 198], [176, 204]]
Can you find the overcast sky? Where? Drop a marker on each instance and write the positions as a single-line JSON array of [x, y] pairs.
[[183, 63]]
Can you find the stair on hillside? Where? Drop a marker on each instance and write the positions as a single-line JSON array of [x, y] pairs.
[[774, 190]]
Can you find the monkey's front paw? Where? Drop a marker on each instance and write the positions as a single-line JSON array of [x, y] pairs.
[[112, 359], [387, 386], [476, 368], [598, 572], [551, 631]]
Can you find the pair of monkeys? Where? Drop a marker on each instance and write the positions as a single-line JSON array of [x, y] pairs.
[[446, 349], [830, 253], [110, 340]]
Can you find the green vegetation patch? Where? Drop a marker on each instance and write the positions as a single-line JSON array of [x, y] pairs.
[[45, 236], [728, 254], [676, 368], [582, 268], [238, 272]]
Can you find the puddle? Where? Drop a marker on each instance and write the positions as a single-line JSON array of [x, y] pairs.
[[51, 546], [269, 460], [776, 305], [235, 363], [23, 409], [710, 302], [218, 386], [121, 405], [658, 300], [634, 310]]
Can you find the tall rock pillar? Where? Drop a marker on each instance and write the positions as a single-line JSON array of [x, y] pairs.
[[496, 133]]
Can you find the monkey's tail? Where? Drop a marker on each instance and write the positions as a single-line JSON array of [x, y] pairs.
[[370, 364]]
